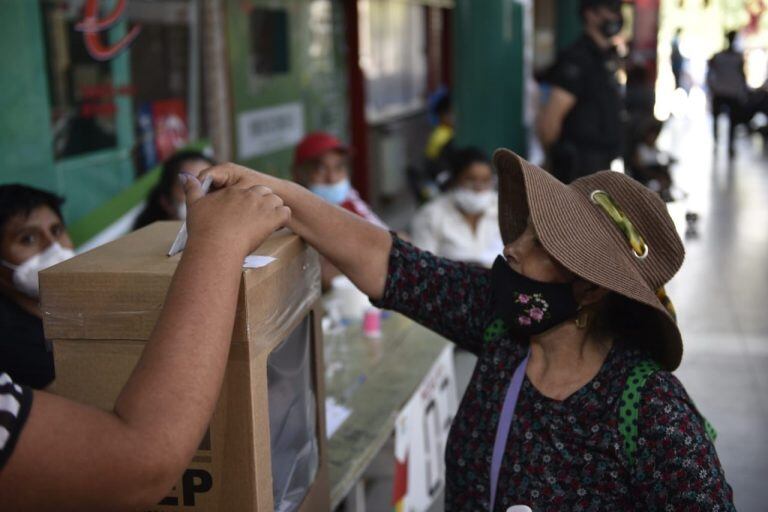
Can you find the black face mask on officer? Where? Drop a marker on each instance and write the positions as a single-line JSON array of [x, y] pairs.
[[611, 27]]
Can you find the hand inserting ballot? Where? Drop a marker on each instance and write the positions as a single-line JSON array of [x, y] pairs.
[[235, 217]]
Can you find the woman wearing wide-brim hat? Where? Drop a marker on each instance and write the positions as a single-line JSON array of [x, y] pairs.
[[572, 405]]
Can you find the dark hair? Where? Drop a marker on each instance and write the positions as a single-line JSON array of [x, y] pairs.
[[647, 125], [154, 210], [628, 322], [585, 5], [637, 75], [18, 199], [731, 36], [462, 159]]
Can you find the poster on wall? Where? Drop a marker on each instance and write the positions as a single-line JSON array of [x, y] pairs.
[[146, 136], [270, 129], [171, 129], [421, 432]]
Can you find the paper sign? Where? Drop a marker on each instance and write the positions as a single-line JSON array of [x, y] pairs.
[[269, 129], [335, 416], [421, 432]]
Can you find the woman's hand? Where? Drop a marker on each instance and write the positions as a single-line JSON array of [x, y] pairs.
[[229, 175], [356, 247], [239, 217]]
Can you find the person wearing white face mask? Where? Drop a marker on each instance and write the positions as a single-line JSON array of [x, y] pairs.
[[321, 164], [32, 238], [166, 200], [462, 224]]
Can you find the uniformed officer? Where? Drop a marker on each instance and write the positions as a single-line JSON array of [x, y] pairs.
[[580, 125]]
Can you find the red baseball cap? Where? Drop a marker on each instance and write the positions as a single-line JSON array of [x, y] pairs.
[[314, 145]]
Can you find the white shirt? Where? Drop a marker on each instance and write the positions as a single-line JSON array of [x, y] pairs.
[[440, 228], [649, 155]]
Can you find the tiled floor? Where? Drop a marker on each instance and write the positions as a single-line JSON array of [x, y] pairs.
[[721, 295]]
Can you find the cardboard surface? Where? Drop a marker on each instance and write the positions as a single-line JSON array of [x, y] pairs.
[[99, 309], [117, 290]]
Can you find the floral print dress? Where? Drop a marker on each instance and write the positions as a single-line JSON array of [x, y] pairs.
[[560, 455]]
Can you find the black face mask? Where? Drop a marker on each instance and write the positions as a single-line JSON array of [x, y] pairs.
[[530, 307], [610, 28]]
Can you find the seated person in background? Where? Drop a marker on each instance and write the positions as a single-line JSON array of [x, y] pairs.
[[649, 165], [166, 200], [57, 454], [462, 224], [32, 238], [440, 142], [321, 164]]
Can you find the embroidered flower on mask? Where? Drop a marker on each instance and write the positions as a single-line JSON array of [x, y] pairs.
[[536, 308]]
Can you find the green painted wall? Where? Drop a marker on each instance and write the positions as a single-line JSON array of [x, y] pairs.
[[317, 73], [25, 136], [488, 81], [568, 22], [26, 151]]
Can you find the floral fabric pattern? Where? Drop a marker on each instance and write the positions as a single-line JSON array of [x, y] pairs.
[[538, 308], [561, 455]]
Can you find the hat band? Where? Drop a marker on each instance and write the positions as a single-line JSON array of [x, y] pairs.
[[635, 239], [609, 206]]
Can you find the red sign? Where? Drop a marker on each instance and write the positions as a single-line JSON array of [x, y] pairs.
[[96, 99], [170, 123], [92, 26]]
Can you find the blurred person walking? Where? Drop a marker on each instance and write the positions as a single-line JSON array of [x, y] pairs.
[[676, 59], [728, 89], [580, 125]]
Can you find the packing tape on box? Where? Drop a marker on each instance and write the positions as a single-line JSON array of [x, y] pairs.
[[281, 295], [292, 292]]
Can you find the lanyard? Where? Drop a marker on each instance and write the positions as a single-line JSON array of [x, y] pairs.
[[505, 422]]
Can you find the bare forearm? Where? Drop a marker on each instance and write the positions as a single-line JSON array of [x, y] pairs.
[[356, 247], [549, 124], [548, 132], [180, 372]]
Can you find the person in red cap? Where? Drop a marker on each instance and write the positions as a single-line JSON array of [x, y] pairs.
[[321, 164]]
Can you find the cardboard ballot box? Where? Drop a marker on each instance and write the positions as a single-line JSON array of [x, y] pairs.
[[265, 448]]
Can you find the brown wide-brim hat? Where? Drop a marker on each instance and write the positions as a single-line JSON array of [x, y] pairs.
[[581, 236]]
